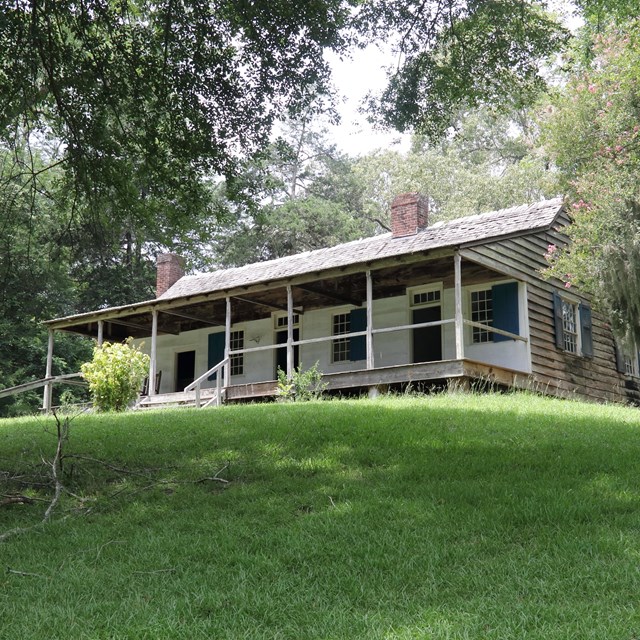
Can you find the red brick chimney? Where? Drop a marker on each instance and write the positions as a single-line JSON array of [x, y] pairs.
[[409, 214], [169, 269]]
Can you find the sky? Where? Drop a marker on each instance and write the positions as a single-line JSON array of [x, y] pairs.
[[354, 78], [363, 72]]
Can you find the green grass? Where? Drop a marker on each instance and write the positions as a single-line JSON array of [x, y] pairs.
[[446, 517]]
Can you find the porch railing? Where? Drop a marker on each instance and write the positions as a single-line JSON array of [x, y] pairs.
[[404, 327], [67, 378], [196, 385]]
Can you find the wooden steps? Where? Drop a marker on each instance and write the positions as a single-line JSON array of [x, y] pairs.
[[178, 399]]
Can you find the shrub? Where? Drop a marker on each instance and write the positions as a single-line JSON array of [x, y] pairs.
[[115, 375], [303, 386]]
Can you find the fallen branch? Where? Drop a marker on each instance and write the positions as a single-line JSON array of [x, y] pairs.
[[24, 573], [14, 499], [148, 573]]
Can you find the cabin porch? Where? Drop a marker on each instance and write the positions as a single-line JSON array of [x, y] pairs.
[[392, 322]]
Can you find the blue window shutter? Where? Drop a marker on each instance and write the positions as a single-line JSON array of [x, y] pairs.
[[216, 351], [358, 345], [586, 330], [557, 316], [506, 314]]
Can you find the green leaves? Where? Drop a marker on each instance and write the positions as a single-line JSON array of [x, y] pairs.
[[460, 55], [115, 375], [592, 130]]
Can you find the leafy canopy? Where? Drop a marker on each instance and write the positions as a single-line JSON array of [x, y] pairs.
[[592, 131]]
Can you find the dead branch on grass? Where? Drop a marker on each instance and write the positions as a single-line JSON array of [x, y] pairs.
[[24, 573]]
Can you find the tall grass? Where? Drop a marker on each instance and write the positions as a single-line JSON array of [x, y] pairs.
[[446, 517]]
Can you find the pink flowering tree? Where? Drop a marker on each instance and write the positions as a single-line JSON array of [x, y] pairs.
[[591, 129]]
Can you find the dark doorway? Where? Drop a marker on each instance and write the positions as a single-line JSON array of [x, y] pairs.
[[427, 341], [281, 354], [185, 369]]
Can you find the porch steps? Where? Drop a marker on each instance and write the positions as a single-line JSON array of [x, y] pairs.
[[174, 400]]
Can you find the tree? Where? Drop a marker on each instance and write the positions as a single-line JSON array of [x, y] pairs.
[[592, 132], [457, 55], [491, 162], [143, 94], [300, 195]]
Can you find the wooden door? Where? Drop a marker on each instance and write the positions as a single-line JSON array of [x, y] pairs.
[[427, 341], [185, 369]]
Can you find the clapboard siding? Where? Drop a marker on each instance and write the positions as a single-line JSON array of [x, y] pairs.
[[553, 370]]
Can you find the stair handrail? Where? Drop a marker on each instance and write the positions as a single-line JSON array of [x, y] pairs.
[[197, 383]]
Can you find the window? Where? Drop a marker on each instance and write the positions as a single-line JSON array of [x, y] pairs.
[[282, 321], [570, 326], [237, 361], [482, 312], [630, 365], [627, 357], [341, 346], [426, 297], [573, 325]]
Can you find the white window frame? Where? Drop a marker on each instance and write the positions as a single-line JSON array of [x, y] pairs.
[[435, 287], [281, 320], [474, 332], [340, 338], [574, 303], [237, 361]]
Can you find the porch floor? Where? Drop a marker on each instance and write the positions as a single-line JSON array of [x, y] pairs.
[[463, 370]]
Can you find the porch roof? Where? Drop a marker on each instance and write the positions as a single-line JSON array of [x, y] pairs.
[[471, 230]]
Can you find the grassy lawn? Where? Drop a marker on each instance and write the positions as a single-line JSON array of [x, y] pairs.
[[447, 517]]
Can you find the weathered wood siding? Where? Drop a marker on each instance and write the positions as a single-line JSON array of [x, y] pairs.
[[554, 370]]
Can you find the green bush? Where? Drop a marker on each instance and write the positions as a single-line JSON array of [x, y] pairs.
[[115, 375], [303, 386]]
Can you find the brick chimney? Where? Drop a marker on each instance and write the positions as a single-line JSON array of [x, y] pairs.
[[169, 269], [409, 214]]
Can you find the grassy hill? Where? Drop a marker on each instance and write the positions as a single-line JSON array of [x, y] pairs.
[[447, 517]]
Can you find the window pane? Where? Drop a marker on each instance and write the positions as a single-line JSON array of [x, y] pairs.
[[340, 347], [569, 326], [237, 361], [481, 311]]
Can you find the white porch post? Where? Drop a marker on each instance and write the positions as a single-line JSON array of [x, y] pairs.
[[289, 332], [227, 342], [154, 345], [100, 332], [370, 362], [48, 387], [459, 324]]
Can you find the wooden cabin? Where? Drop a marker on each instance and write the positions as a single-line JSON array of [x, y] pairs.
[[426, 304]]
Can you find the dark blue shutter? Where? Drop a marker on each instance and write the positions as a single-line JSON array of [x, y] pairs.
[[557, 316], [620, 368], [506, 314], [216, 351], [358, 345], [586, 331]]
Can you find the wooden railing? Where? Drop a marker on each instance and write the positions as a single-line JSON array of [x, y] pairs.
[[196, 385], [67, 378]]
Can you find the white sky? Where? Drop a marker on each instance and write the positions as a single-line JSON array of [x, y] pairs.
[[354, 78], [363, 72]]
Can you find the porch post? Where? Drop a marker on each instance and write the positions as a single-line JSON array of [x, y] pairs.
[[459, 324], [151, 388], [48, 387], [289, 332], [370, 362], [227, 342], [100, 332]]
